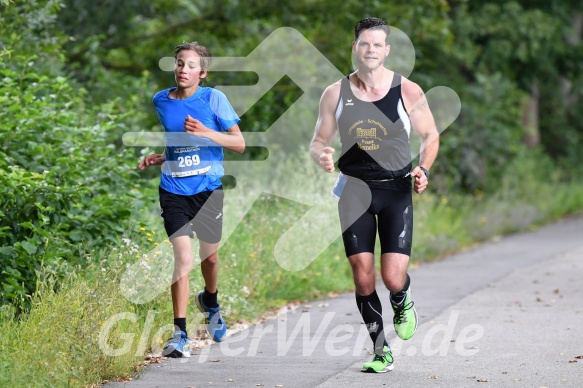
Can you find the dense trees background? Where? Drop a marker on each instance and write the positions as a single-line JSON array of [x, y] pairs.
[[75, 75]]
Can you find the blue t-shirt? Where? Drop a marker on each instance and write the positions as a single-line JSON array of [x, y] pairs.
[[193, 164]]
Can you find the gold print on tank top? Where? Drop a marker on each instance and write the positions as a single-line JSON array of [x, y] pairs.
[[366, 138]]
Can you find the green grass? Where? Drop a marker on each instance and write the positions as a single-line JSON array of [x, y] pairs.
[[58, 344], [63, 340], [524, 201]]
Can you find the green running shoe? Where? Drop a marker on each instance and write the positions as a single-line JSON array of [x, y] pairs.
[[380, 363], [405, 318]]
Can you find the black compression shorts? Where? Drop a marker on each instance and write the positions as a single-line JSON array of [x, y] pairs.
[[361, 207], [201, 213]]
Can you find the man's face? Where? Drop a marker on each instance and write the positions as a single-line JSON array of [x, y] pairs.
[[187, 69], [371, 49]]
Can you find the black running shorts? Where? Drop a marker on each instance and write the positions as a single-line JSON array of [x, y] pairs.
[[361, 208], [200, 213]]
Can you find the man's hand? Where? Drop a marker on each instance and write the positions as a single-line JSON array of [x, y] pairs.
[[326, 160], [421, 180], [152, 160], [194, 127]]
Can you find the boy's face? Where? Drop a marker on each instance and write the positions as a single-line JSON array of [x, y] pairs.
[[187, 69]]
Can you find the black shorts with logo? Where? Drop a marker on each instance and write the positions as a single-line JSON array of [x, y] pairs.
[[361, 208], [200, 213]]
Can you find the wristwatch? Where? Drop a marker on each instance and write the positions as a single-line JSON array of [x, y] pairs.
[[425, 171]]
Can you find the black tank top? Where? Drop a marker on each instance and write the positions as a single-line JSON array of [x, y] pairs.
[[375, 137]]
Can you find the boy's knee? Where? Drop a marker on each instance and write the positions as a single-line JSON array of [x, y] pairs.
[[213, 259]]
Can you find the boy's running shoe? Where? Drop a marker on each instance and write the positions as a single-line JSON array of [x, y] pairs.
[[178, 346], [215, 325], [405, 318], [380, 363]]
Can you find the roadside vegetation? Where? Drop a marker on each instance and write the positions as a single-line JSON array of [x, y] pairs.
[[77, 218]]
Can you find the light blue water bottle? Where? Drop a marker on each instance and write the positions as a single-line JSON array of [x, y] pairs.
[[339, 186]]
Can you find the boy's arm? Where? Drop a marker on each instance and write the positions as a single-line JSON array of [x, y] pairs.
[[232, 139], [152, 160]]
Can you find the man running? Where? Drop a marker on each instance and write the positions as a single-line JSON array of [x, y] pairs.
[[374, 109]]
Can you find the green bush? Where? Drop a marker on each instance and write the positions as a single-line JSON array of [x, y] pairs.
[[33, 205], [475, 150], [65, 185]]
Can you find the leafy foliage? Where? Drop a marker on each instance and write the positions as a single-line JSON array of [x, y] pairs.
[[65, 185], [484, 138], [75, 76]]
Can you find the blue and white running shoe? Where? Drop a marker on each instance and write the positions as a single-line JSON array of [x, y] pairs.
[[178, 346], [215, 325]]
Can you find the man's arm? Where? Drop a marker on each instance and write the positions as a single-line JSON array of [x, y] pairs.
[[424, 124], [326, 128]]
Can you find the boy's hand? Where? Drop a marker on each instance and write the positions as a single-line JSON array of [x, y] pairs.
[[152, 160], [194, 127]]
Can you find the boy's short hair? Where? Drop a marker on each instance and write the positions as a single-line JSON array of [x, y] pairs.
[[205, 54]]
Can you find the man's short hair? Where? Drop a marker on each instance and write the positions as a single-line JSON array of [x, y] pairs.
[[372, 24]]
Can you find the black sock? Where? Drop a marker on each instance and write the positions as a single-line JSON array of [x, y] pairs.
[[210, 300], [180, 323], [398, 297], [372, 313]]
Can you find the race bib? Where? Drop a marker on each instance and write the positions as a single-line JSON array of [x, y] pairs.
[[187, 161]]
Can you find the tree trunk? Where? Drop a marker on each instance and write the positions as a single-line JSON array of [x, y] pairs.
[[574, 39], [530, 117]]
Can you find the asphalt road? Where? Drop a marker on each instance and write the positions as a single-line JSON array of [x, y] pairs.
[[508, 313]]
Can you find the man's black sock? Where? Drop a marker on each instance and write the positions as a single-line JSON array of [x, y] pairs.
[[398, 297], [372, 313]]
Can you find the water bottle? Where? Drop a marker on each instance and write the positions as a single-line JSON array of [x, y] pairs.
[[339, 186]]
